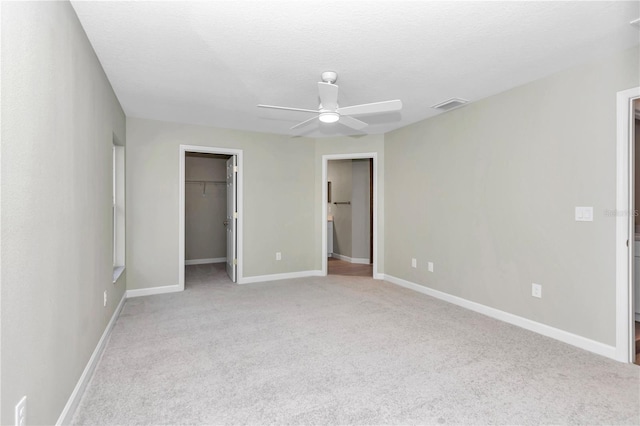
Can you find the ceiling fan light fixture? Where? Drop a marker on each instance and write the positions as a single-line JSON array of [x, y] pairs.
[[329, 117]]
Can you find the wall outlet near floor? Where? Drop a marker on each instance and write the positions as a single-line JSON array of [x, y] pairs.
[[278, 255], [536, 290], [21, 412], [584, 214], [104, 300], [430, 266], [414, 263]]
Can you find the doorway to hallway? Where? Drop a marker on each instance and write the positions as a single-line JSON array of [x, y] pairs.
[[350, 217], [348, 192], [336, 266]]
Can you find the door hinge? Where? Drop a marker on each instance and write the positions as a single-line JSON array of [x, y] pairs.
[[235, 169], [235, 261], [235, 215]]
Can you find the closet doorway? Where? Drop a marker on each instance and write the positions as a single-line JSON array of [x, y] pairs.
[[210, 207]]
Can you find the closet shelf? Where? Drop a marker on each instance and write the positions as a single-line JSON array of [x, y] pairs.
[[205, 182], [219, 182]]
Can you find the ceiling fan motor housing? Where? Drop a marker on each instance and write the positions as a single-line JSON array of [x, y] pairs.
[[329, 76]]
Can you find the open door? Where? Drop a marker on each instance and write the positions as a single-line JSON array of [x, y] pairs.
[[232, 217]]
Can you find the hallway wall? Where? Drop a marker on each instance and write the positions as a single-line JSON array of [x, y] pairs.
[[339, 173], [360, 211]]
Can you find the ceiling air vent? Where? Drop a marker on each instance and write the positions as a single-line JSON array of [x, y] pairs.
[[450, 104]]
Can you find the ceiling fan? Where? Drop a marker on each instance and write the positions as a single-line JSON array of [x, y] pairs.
[[329, 112]]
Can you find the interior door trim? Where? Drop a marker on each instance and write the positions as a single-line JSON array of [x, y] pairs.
[[376, 205], [624, 230]]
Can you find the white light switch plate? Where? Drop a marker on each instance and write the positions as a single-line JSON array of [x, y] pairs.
[[430, 266], [536, 290], [414, 263], [584, 214]]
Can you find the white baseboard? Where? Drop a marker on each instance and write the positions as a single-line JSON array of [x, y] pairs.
[[285, 276], [153, 290], [359, 260], [205, 261], [555, 333], [73, 401]]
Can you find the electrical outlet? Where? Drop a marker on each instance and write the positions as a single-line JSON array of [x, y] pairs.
[[430, 266], [278, 256], [536, 290], [414, 263], [584, 214], [104, 302], [21, 412]]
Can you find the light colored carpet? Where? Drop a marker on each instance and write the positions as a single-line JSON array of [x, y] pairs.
[[340, 350]]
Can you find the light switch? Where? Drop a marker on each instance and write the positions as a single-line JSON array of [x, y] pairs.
[[584, 214]]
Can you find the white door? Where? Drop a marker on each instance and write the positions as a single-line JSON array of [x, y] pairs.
[[232, 217]]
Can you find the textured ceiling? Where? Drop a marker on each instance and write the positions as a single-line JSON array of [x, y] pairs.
[[212, 62]]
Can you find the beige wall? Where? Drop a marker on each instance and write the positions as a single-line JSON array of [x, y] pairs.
[[487, 192], [280, 213], [59, 116], [205, 235], [278, 199]]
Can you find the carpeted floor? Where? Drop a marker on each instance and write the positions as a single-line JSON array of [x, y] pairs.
[[340, 350]]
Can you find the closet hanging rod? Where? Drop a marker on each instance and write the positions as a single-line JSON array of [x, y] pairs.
[[342, 202]]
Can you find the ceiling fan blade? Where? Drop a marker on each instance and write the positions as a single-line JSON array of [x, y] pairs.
[[288, 109], [299, 128], [352, 122], [373, 108], [328, 95]]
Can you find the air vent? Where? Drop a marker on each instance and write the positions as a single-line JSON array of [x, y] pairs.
[[450, 104]]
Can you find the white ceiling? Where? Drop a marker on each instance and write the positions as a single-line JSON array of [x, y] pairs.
[[212, 62]]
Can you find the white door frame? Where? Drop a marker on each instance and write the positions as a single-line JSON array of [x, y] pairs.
[[376, 201], [624, 228], [181, 205]]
